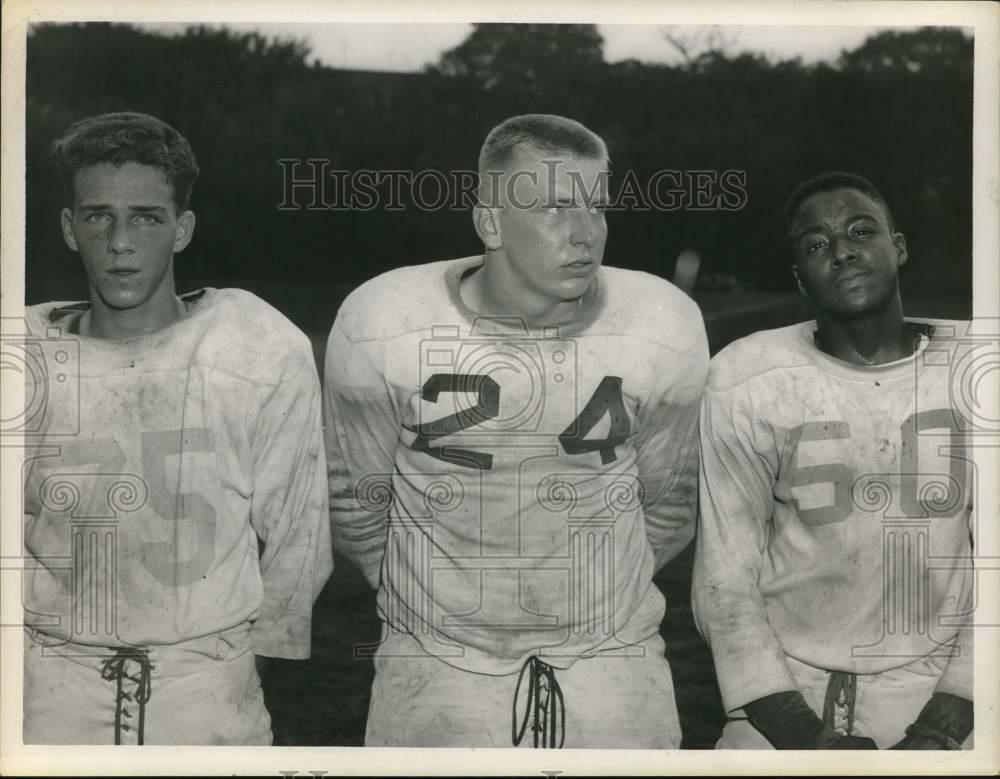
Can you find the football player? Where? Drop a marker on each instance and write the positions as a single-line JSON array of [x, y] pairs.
[[176, 520], [833, 564], [512, 443]]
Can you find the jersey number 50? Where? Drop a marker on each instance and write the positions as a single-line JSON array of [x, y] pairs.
[[945, 500]]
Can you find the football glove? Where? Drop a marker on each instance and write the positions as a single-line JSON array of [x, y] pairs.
[[944, 723], [787, 722]]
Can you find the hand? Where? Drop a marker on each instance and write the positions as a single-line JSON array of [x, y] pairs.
[[916, 742], [944, 723], [849, 742], [785, 719]]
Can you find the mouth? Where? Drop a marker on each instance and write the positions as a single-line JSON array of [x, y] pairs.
[[579, 264], [852, 278], [123, 273]]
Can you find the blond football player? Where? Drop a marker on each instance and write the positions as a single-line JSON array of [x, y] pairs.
[[513, 454]]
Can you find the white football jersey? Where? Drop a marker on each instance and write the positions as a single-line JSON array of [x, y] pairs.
[[154, 464], [835, 512], [511, 490]]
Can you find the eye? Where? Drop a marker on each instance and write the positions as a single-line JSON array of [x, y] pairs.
[[811, 247], [864, 232], [97, 217], [147, 219]]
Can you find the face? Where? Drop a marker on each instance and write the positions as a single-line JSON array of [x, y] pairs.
[[846, 256], [126, 227], [550, 228]]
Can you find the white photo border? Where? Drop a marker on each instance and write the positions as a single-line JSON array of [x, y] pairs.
[[15, 759]]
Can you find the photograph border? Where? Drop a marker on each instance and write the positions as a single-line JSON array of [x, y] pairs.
[[17, 759]]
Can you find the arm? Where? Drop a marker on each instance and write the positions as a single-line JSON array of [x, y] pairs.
[[667, 446], [362, 430], [947, 719], [957, 677], [289, 510], [738, 470]]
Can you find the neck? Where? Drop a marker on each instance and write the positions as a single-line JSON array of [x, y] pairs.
[[492, 291], [103, 321], [876, 339]]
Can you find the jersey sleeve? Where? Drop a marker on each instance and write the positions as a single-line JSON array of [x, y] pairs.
[[362, 430], [289, 509], [667, 446], [958, 677], [738, 468]]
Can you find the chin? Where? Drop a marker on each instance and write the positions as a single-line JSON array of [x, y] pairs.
[[852, 311], [855, 306], [122, 302], [575, 289]]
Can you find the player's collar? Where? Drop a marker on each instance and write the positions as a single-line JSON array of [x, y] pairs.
[[590, 307], [903, 366], [67, 317]]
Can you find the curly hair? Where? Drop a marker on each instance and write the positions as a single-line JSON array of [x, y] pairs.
[[123, 137], [828, 182]]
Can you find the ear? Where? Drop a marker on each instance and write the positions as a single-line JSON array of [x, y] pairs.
[[487, 223], [899, 240], [66, 217], [798, 281], [185, 231]]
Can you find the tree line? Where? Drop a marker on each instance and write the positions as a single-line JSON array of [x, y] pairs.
[[898, 109]]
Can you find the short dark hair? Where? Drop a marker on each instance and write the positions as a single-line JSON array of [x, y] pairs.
[[828, 182], [123, 137], [547, 133]]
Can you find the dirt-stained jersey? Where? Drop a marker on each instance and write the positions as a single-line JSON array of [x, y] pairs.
[[514, 487], [156, 464], [835, 512]]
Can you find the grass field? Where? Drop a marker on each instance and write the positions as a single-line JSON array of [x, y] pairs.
[[324, 701]]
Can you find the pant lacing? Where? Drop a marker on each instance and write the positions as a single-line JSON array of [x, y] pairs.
[[841, 691], [131, 688], [545, 707]]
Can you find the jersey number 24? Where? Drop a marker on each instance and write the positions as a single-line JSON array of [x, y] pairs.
[[607, 399]]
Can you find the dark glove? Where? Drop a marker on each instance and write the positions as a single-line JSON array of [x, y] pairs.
[[944, 723], [787, 722]]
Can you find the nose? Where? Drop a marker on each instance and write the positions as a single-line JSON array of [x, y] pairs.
[[588, 227], [120, 237], [843, 252]]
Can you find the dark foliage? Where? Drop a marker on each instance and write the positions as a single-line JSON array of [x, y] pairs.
[[897, 109]]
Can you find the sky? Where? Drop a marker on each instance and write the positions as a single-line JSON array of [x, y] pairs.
[[410, 46]]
